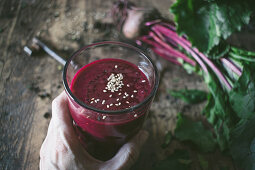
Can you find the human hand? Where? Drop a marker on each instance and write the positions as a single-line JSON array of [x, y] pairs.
[[61, 148]]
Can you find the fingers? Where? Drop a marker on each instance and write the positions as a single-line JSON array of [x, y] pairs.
[[128, 153], [62, 148], [62, 125], [61, 119], [60, 111]]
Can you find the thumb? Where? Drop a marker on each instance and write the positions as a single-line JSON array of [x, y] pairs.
[[128, 153]]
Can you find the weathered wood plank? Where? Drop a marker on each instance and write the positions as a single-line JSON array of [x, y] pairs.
[[17, 101]]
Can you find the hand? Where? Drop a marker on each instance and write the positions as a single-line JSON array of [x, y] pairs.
[[61, 148]]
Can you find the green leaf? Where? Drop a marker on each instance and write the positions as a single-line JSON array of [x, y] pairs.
[[188, 67], [242, 96], [224, 168], [189, 96], [243, 52], [219, 51], [219, 111], [218, 99], [188, 130], [167, 140], [206, 23], [203, 163], [180, 160], [242, 146], [222, 131]]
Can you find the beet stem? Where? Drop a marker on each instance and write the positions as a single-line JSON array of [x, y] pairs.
[[165, 56], [215, 69], [232, 66], [149, 23], [172, 35], [187, 46], [172, 50]]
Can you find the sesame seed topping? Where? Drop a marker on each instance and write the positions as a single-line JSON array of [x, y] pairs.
[[132, 96], [117, 99], [104, 91], [91, 102], [110, 95], [135, 115], [103, 101], [114, 82], [92, 98], [128, 85], [119, 103], [111, 104], [119, 94], [127, 101], [135, 91], [124, 97], [103, 117], [116, 66], [143, 81], [107, 106]]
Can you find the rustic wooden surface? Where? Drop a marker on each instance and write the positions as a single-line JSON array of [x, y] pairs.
[[28, 84]]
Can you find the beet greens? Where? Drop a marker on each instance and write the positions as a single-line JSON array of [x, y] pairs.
[[227, 70]]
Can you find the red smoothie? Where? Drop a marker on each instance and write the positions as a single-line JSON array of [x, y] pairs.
[[109, 85]]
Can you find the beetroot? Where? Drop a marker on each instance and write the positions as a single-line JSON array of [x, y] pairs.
[[148, 28]]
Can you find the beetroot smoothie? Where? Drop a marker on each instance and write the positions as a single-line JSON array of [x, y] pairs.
[[109, 85]]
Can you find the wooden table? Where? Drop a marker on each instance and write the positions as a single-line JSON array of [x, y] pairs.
[[28, 84]]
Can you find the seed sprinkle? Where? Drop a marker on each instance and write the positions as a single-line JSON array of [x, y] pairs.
[[103, 101], [114, 82]]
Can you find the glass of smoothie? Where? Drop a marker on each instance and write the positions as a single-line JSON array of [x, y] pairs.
[[110, 87]]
